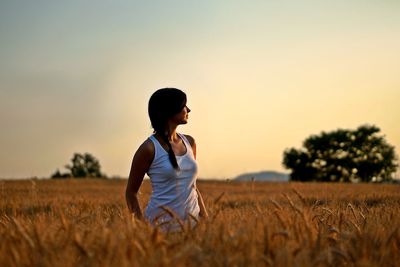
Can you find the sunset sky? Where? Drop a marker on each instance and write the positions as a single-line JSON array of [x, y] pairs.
[[260, 76]]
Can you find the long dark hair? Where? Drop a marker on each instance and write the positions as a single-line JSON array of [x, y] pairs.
[[163, 104]]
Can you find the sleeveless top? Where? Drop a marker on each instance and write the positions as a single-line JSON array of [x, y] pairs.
[[175, 190]]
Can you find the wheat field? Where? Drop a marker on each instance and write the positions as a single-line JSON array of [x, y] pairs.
[[85, 222]]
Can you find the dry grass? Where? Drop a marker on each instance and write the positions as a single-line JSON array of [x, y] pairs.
[[85, 223]]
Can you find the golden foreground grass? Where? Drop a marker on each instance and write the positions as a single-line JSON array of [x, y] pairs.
[[86, 223]]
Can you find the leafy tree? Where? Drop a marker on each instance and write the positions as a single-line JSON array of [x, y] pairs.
[[83, 165], [58, 175], [343, 155]]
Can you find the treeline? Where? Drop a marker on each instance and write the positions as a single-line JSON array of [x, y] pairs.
[[342, 155]]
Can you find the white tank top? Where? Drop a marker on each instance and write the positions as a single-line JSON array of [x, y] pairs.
[[173, 189]]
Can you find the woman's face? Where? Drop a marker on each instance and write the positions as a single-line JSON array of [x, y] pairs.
[[182, 117]]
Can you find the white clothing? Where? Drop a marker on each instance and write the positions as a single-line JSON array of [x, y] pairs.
[[173, 189]]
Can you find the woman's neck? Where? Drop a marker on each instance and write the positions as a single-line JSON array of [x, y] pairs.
[[171, 133]]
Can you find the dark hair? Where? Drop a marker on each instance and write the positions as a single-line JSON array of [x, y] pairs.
[[163, 104]]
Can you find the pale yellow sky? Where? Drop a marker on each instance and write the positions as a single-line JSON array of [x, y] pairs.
[[260, 77]]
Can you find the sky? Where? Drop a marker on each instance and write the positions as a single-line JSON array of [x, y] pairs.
[[260, 77]]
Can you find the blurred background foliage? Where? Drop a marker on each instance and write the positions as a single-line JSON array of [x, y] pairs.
[[343, 155]]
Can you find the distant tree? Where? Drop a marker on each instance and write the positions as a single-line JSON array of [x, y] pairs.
[[58, 175], [82, 165], [343, 155]]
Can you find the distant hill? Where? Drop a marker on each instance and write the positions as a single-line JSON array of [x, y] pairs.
[[268, 176]]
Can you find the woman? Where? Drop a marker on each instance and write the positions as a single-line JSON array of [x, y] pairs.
[[169, 159]]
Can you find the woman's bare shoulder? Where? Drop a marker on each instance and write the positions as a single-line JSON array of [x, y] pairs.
[[190, 139], [146, 148]]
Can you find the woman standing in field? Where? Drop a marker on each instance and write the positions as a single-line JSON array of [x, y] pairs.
[[169, 159]]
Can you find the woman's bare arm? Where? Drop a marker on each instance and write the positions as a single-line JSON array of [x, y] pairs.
[[203, 211], [140, 165]]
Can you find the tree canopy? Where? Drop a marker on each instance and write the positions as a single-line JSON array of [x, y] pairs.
[[82, 165], [343, 155]]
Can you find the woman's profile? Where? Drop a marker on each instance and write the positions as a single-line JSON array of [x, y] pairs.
[[169, 159]]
